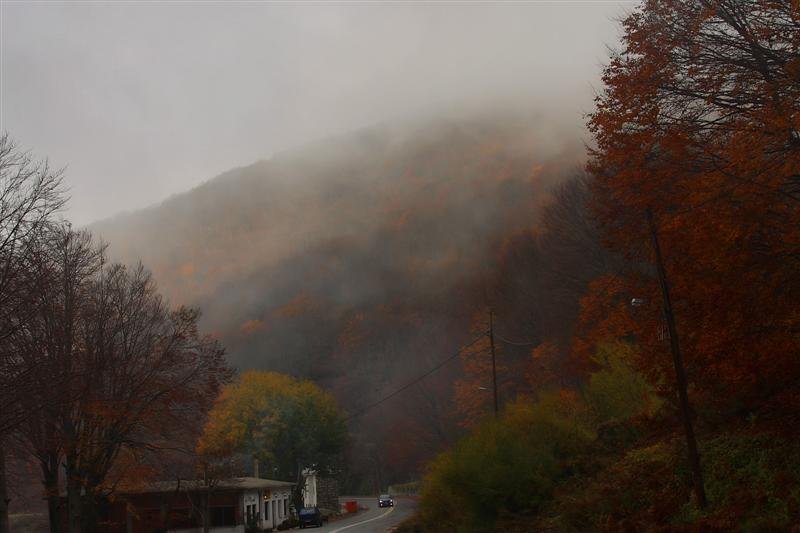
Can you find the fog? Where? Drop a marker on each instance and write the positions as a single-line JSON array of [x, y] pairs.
[[143, 101]]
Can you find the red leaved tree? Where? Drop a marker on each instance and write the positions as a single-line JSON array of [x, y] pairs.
[[700, 122]]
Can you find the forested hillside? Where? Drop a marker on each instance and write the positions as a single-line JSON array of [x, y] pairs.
[[361, 261], [516, 320]]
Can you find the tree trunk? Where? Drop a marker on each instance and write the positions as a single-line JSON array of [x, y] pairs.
[[50, 480], [89, 512], [74, 504], [207, 511], [52, 510], [207, 502], [4, 499]]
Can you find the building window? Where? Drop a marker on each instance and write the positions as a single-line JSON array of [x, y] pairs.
[[285, 500], [251, 511], [223, 516]]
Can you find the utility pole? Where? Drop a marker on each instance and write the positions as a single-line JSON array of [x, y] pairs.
[[494, 361], [680, 373]]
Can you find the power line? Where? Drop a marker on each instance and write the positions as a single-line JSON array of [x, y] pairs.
[[417, 379]]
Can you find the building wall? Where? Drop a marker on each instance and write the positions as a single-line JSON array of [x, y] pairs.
[[279, 502], [149, 510], [310, 489], [251, 501], [322, 492], [152, 512], [327, 493]]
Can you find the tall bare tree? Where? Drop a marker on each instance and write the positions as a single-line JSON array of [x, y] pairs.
[[30, 192], [147, 369], [56, 275], [127, 371]]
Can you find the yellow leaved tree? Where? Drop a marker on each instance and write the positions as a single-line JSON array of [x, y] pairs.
[[289, 425]]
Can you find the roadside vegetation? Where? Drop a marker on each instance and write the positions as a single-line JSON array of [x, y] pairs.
[[610, 456], [686, 335], [509, 468]]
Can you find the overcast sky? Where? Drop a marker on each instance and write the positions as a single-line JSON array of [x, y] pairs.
[[144, 100]]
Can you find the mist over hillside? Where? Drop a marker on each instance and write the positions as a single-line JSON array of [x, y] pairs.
[[526, 266], [357, 261]]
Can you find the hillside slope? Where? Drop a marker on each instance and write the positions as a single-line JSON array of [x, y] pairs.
[[356, 261]]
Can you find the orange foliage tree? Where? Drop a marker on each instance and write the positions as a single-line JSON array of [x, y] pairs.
[[700, 122]]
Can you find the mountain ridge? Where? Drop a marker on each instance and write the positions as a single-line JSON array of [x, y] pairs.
[[318, 261]]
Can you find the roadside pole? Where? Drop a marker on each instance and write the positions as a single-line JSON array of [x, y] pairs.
[[494, 362], [680, 373]]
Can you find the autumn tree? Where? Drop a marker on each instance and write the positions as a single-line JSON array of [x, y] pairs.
[[538, 282], [699, 122], [289, 425], [115, 368], [534, 289]]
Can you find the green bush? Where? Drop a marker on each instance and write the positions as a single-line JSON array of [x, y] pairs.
[[610, 459], [752, 482], [506, 466], [617, 392], [506, 470], [641, 486]]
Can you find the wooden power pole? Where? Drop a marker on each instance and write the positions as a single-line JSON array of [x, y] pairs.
[[680, 373], [494, 361]]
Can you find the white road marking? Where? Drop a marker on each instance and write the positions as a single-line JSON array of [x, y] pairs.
[[364, 521]]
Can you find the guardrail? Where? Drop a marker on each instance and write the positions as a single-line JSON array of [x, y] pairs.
[[405, 489]]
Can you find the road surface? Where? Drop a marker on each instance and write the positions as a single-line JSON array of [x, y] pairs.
[[373, 520]]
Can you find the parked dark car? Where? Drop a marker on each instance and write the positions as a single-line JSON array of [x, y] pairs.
[[309, 516], [385, 501]]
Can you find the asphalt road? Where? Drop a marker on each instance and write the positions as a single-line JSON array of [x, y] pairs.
[[374, 520]]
